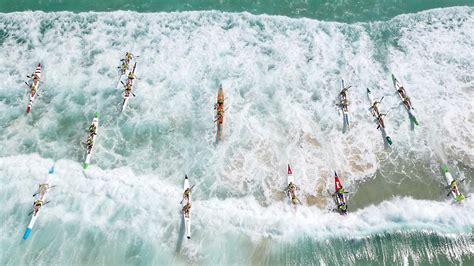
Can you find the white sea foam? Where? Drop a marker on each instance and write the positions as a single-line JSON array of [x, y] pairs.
[[281, 78], [116, 204]]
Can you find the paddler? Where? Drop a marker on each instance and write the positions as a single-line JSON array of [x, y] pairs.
[[90, 142], [402, 92], [33, 89], [124, 66], [342, 207], [128, 88], [128, 58], [219, 116], [35, 78], [219, 104], [375, 107], [407, 102], [186, 193], [345, 104], [43, 188], [186, 209], [292, 190], [380, 120], [92, 129], [340, 194], [454, 187], [455, 190], [343, 92], [131, 76], [126, 61], [37, 205]]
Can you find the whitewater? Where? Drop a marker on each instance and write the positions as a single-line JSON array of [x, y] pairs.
[[282, 78]]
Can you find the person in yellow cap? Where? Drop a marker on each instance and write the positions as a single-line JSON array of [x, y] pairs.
[[37, 205]]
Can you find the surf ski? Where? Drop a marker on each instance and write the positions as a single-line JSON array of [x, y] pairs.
[[405, 99], [40, 201], [34, 86], [220, 110], [344, 104], [292, 188], [339, 196], [186, 204], [452, 185], [374, 109], [125, 66], [90, 143], [128, 87]]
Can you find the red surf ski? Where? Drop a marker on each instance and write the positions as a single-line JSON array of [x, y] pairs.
[[337, 182], [34, 86]]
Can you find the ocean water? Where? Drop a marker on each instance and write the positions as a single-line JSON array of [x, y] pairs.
[[281, 73], [333, 10]]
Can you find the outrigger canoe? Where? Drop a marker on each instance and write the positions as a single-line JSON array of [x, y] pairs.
[[40, 201], [344, 103], [34, 87], [220, 109], [187, 208], [452, 185], [129, 84], [376, 113], [405, 100], [95, 123], [339, 197], [291, 189]]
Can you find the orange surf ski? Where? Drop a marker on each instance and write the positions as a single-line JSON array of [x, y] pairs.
[[220, 113]]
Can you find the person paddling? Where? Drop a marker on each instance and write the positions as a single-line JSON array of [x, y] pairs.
[[380, 120], [292, 191], [186, 209]]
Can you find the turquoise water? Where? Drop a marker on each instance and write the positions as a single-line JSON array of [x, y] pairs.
[[337, 10], [281, 75]]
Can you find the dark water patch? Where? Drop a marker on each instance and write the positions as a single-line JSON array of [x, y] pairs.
[[425, 248], [329, 10]]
